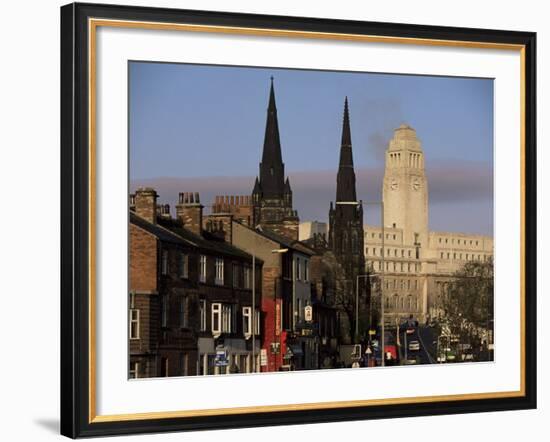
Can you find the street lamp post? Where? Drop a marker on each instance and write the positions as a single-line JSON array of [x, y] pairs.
[[253, 313], [357, 306], [406, 345]]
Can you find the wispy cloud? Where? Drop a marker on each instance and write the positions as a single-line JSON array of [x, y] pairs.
[[380, 117], [456, 190]]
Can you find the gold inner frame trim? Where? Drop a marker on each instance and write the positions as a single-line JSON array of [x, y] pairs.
[[93, 24]]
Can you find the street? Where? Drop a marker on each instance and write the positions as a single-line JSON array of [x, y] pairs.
[[426, 353]]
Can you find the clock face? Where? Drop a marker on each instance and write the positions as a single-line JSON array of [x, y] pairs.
[[416, 184], [394, 184]]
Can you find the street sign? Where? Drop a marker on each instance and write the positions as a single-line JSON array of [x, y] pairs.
[[275, 348], [356, 353], [263, 357], [308, 310], [372, 332], [221, 359], [368, 351], [277, 318]]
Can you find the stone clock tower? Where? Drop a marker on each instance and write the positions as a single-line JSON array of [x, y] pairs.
[[405, 190]]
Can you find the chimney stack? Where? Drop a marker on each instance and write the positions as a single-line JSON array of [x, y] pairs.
[[189, 211], [163, 211], [145, 204]]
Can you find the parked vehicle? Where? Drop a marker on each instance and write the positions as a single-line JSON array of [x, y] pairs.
[[451, 356], [412, 360]]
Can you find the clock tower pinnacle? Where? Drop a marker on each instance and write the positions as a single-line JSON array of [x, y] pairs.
[[405, 189]]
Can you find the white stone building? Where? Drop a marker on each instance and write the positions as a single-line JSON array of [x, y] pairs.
[[308, 229], [416, 262]]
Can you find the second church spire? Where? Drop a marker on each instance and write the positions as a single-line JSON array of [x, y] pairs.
[[345, 180]]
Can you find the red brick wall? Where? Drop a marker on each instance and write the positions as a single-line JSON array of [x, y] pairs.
[[143, 261]]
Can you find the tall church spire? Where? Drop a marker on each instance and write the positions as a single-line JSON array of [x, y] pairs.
[[346, 131], [272, 168], [346, 234], [345, 180], [272, 195]]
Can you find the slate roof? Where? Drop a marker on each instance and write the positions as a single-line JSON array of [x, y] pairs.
[[206, 242], [171, 231], [283, 241], [161, 233]]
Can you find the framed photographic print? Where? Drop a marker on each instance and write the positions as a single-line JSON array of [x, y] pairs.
[[279, 220]]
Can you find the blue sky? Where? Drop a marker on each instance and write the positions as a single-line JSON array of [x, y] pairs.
[[201, 128]]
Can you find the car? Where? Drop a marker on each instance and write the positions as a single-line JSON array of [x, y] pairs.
[[412, 360], [451, 356], [414, 345]]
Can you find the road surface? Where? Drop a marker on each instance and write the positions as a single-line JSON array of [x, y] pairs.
[[425, 336]]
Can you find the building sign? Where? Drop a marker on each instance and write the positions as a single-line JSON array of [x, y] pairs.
[[263, 357], [277, 318], [308, 313], [221, 359], [275, 348]]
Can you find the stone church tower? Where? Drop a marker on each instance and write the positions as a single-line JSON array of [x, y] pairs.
[[405, 188], [346, 216], [272, 195]]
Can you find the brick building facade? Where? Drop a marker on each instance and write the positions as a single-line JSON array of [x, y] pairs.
[[289, 339], [190, 294], [163, 296]]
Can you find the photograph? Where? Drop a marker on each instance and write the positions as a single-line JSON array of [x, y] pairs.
[[283, 220]]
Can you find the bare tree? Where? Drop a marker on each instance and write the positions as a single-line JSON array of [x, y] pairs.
[[468, 305]]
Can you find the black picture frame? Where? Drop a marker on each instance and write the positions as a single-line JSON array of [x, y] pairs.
[[75, 220]]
